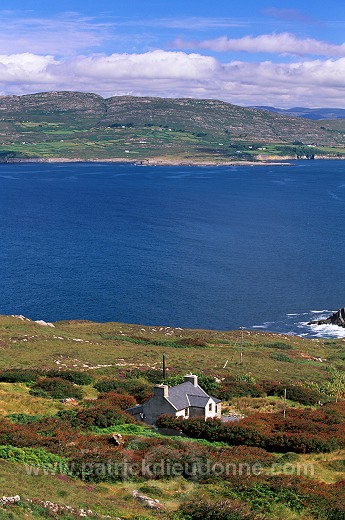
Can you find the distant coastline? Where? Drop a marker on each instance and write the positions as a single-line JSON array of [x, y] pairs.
[[162, 161], [148, 162]]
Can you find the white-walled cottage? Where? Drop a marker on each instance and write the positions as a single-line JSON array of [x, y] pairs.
[[185, 400]]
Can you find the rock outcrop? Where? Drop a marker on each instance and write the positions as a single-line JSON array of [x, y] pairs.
[[338, 318], [152, 503], [116, 439]]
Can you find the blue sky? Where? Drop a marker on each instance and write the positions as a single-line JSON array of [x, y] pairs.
[[247, 53]]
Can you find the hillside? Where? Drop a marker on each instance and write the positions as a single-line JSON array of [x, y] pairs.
[[82, 126], [64, 389], [109, 348], [307, 113]]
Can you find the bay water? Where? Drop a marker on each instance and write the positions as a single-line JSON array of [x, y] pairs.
[[200, 247]]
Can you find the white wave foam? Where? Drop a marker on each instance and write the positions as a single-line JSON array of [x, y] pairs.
[[319, 312], [327, 331], [297, 324], [259, 326]]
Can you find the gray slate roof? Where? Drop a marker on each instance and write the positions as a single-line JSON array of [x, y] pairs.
[[186, 394]]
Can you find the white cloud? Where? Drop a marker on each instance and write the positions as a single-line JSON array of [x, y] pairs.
[[26, 67], [178, 74], [153, 65], [282, 43]]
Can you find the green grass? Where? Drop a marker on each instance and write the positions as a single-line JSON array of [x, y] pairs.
[[15, 398]]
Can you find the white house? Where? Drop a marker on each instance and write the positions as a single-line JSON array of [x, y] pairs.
[[185, 400]]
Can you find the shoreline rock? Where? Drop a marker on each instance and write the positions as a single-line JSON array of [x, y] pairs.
[[149, 162], [337, 318]]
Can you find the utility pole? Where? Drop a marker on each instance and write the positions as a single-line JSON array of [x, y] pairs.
[[241, 346], [164, 370]]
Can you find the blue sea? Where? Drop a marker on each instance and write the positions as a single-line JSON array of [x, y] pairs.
[[205, 247]]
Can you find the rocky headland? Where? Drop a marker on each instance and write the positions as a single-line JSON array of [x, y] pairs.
[[337, 318]]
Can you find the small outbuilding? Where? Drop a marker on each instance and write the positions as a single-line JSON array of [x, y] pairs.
[[185, 400]]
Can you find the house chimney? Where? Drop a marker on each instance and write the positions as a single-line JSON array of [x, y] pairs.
[[191, 378], [161, 391]]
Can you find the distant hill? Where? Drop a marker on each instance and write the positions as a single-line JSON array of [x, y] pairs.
[[307, 113], [83, 126]]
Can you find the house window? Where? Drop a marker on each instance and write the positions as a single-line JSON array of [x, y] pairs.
[[186, 412], [210, 407], [216, 408]]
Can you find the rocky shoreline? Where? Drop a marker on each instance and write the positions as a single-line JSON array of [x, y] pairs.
[[145, 162], [337, 318]]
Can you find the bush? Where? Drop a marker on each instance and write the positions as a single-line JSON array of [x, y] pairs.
[[103, 415], [301, 431], [153, 376], [139, 388], [121, 401], [300, 394], [78, 378], [23, 418], [151, 490], [56, 388], [233, 387], [18, 375], [280, 356], [303, 395], [107, 385]]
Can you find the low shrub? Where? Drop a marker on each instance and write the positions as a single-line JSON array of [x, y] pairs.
[[22, 375], [151, 490], [56, 388], [154, 377], [233, 387], [76, 377], [301, 431], [18, 435], [18, 375], [118, 400], [103, 414], [280, 356], [23, 418], [303, 395], [299, 393], [139, 388], [107, 385]]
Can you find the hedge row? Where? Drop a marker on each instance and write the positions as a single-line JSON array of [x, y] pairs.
[[301, 431]]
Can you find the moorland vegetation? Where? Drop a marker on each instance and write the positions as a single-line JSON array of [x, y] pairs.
[[64, 391]]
